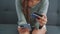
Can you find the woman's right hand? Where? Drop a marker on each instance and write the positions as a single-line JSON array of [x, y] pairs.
[[39, 31]]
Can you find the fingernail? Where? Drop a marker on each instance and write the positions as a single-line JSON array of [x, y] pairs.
[[18, 26]]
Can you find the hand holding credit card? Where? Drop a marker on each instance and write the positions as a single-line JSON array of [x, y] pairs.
[[35, 15]]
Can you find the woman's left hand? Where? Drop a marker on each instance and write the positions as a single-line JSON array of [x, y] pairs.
[[42, 20]]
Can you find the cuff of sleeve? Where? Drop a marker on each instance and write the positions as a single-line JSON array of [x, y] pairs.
[[25, 26], [21, 22]]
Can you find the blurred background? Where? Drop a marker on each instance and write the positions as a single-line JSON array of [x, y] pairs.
[[8, 17]]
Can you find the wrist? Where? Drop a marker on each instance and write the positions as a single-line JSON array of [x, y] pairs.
[[25, 26], [40, 27]]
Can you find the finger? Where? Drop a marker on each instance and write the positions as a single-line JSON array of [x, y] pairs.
[[44, 17], [39, 17], [19, 29], [26, 29], [44, 20], [41, 22]]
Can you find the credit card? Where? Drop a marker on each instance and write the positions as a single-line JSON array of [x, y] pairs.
[[35, 15]]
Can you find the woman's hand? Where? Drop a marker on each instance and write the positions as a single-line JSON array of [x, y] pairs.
[[23, 30], [43, 20], [39, 31]]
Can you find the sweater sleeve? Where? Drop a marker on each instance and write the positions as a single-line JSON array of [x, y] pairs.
[[21, 18], [44, 7]]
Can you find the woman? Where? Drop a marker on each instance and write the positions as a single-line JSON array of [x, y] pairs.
[[39, 6]]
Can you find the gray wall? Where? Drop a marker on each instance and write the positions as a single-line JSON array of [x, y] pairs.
[[52, 12], [7, 5], [7, 12]]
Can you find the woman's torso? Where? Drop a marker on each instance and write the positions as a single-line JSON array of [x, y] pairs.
[[34, 6]]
